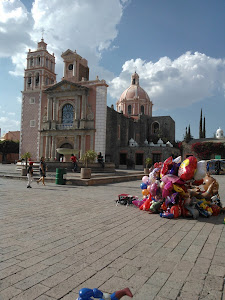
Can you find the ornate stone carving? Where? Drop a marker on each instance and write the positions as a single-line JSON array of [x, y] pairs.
[[90, 114]]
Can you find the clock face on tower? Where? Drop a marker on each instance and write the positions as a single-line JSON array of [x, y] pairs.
[[70, 67]]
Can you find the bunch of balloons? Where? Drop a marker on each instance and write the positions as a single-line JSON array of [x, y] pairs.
[[167, 189]]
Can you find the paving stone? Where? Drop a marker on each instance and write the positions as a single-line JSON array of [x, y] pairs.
[[9, 293], [195, 287], [127, 272], [158, 278], [31, 293], [168, 292], [49, 250], [148, 291], [214, 282]]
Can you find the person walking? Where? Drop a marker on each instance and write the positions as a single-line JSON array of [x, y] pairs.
[[74, 160], [42, 171], [30, 174]]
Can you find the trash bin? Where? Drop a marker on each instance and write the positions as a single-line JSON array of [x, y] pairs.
[[59, 176]]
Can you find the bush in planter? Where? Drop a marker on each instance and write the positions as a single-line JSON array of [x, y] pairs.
[[25, 157], [148, 162], [88, 157]]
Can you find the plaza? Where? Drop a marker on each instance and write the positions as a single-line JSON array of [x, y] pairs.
[[56, 239]]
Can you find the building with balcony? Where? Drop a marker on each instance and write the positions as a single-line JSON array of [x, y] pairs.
[[67, 114]]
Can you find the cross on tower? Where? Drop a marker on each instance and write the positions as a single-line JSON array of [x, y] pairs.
[[42, 31]]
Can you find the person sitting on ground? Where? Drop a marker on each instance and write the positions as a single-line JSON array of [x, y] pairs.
[[100, 159]]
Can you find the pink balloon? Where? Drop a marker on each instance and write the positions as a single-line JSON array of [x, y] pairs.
[[145, 179]]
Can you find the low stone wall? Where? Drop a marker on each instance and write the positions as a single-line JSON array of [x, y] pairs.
[[53, 165]]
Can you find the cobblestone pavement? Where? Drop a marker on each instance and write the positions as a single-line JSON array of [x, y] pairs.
[[56, 239]]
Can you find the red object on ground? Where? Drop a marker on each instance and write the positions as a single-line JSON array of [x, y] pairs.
[[124, 292]]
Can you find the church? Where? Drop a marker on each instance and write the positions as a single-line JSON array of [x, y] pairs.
[[67, 114], [73, 113]]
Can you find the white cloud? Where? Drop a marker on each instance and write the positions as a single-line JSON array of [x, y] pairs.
[[11, 113], [7, 124], [19, 99], [87, 26], [173, 83], [15, 26]]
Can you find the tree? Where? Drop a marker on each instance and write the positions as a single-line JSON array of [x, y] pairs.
[[8, 146], [200, 126], [26, 156], [188, 135], [88, 157]]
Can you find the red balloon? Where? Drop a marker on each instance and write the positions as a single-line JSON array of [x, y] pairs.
[[147, 204], [188, 168], [176, 211], [166, 165]]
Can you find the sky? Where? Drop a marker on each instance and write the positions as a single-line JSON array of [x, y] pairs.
[[176, 46]]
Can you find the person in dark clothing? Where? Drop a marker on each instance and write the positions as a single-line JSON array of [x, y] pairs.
[[217, 167], [100, 159], [29, 174], [42, 170], [74, 160]]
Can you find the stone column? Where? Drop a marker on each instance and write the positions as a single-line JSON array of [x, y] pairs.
[[91, 141], [75, 146], [47, 147], [77, 110], [54, 109], [64, 70], [53, 149], [41, 145], [74, 68], [84, 104], [82, 150], [49, 109]]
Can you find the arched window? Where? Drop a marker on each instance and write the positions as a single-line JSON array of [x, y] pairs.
[[67, 114], [29, 81], [31, 62], [142, 109], [38, 60], [47, 62], [46, 80], [129, 109], [155, 128]]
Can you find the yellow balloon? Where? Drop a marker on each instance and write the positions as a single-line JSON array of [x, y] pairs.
[[178, 189]]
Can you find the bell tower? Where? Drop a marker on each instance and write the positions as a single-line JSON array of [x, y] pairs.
[[75, 67], [135, 79], [38, 75]]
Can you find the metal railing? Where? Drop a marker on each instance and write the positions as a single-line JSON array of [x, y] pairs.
[[65, 126]]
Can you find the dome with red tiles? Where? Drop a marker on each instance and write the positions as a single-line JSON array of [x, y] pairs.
[[134, 100]]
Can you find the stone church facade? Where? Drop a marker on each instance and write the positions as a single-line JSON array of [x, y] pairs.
[[133, 134], [68, 114], [73, 113]]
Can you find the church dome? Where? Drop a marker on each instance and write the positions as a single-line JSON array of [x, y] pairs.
[[134, 100], [219, 133]]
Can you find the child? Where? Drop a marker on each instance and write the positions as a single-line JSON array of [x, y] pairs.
[[30, 174]]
